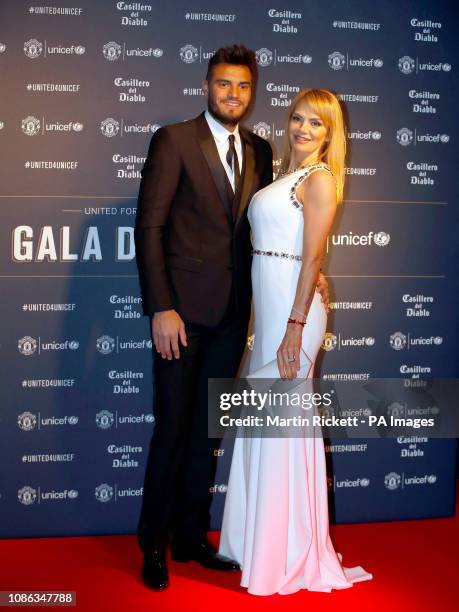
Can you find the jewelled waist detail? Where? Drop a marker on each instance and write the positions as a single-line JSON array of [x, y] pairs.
[[277, 254]]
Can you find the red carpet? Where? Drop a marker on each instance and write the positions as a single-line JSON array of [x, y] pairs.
[[414, 564]]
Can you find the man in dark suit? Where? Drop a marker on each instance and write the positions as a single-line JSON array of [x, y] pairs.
[[193, 253]]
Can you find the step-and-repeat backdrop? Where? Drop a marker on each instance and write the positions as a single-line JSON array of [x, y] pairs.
[[84, 85]]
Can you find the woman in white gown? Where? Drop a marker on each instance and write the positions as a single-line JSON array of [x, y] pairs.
[[275, 522]]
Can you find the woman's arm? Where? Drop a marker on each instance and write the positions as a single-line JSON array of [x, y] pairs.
[[318, 196]]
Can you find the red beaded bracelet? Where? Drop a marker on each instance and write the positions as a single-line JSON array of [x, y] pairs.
[[297, 321]]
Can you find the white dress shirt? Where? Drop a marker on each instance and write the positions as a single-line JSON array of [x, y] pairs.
[[220, 134]]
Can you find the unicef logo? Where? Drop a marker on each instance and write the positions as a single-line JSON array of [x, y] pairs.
[[104, 419], [33, 48], [27, 345], [30, 126], [382, 238], [79, 49], [149, 418], [438, 340], [109, 127], [2, 47], [73, 345], [398, 341], [73, 494], [306, 59], [105, 345], [369, 341], [364, 482], [77, 127], [262, 129], [378, 63], [264, 57], [336, 60], [396, 409], [27, 421], [392, 481], [73, 420], [406, 64], [158, 52], [404, 137], [431, 479], [444, 138], [27, 495], [103, 493], [446, 67], [222, 488], [376, 135], [111, 51], [330, 341], [188, 54]]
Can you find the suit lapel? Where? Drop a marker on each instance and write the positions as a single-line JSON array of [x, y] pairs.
[[247, 178], [210, 152]]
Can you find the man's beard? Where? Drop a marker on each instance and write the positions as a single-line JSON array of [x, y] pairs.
[[225, 119]]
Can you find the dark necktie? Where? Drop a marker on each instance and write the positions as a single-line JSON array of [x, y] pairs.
[[230, 157]]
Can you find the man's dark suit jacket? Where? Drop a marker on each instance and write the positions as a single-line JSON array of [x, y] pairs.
[[190, 245]]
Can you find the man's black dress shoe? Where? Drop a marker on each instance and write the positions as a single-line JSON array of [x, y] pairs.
[[154, 570], [205, 554]]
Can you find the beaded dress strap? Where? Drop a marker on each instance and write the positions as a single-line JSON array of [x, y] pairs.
[[309, 170]]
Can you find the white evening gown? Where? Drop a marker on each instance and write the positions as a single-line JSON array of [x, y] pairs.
[[275, 522]]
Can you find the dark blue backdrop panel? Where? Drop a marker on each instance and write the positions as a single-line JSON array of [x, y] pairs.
[[84, 88]]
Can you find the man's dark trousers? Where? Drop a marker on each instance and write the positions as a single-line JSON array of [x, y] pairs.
[[181, 461]]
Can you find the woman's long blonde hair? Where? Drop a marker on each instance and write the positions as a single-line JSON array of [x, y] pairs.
[[326, 105]]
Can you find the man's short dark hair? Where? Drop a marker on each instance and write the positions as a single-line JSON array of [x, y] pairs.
[[235, 54]]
